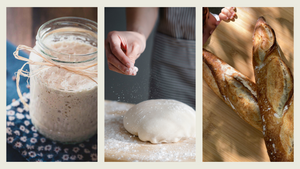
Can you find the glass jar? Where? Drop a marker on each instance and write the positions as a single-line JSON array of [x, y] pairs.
[[63, 104]]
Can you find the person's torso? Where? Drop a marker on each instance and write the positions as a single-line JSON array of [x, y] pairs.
[[177, 22]]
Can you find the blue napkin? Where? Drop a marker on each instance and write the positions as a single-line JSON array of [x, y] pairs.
[[22, 135], [12, 66]]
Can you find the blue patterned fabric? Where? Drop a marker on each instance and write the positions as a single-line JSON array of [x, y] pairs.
[[22, 135], [12, 66]]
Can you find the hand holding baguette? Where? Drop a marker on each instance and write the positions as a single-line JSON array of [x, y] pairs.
[[274, 83], [271, 109]]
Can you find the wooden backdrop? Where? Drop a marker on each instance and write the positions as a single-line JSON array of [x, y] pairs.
[[226, 137], [23, 23]]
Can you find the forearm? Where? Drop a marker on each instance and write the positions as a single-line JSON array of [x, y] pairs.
[[141, 20]]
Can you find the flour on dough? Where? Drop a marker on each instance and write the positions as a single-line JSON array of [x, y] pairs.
[[161, 120]]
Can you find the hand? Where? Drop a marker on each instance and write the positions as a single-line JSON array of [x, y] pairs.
[[122, 49], [228, 14]]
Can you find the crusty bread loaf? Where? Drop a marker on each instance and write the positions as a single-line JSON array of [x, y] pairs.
[[235, 89], [274, 83]]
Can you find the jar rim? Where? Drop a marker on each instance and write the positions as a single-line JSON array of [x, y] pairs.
[[86, 23]]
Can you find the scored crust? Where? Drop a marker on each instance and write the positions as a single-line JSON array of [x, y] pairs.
[[235, 89], [274, 83]]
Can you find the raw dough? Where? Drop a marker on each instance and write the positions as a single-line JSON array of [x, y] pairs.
[[161, 120]]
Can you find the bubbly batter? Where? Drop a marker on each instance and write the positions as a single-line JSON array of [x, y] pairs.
[[63, 104]]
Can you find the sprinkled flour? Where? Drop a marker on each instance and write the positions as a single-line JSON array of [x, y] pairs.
[[123, 146]]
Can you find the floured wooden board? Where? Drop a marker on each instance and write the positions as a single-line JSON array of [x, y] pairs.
[[123, 146], [226, 137]]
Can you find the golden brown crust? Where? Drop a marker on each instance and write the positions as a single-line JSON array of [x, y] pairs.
[[235, 89], [274, 83]]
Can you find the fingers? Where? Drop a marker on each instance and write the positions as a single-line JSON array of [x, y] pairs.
[[134, 52], [122, 49], [223, 17], [114, 42], [131, 71], [115, 65], [113, 68], [228, 14]]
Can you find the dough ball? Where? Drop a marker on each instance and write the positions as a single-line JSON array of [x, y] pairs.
[[161, 120]]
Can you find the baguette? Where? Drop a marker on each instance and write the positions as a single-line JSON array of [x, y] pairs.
[[274, 82], [235, 89]]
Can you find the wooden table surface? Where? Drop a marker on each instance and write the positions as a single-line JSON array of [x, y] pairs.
[[226, 137], [23, 23]]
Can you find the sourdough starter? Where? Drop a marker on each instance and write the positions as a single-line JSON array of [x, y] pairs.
[[63, 105]]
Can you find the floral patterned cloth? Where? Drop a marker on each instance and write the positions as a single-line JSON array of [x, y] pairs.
[[23, 136]]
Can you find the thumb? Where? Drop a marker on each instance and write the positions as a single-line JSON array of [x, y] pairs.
[[134, 53]]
